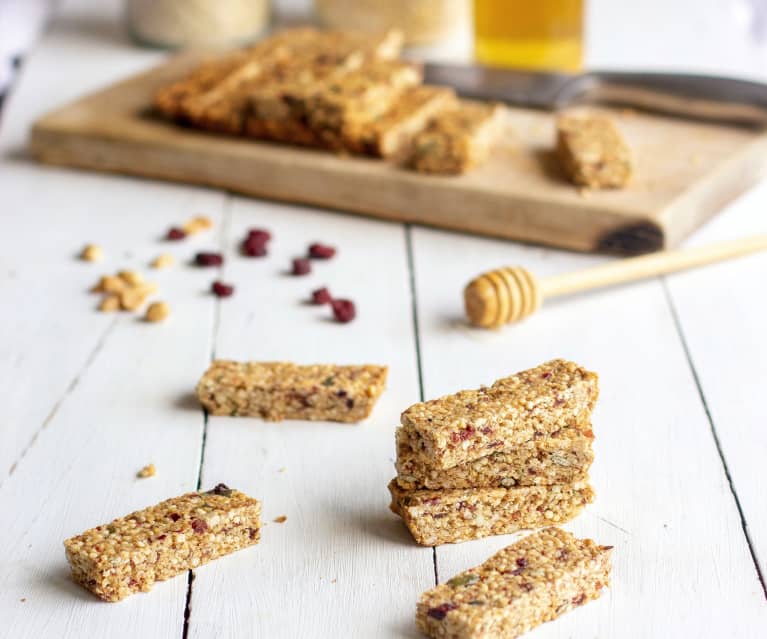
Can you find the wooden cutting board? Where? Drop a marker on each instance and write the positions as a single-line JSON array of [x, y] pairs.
[[686, 171]]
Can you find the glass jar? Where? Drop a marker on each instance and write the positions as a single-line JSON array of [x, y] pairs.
[[422, 21], [183, 23]]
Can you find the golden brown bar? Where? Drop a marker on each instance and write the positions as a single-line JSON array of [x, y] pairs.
[[592, 152], [129, 554], [459, 428], [280, 390], [535, 580], [562, 458], [437, 517]]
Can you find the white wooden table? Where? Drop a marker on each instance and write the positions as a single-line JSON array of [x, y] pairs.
[[89, 398]]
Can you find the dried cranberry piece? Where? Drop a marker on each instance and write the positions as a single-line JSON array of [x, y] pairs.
[[321, 251], [546, 375], [344, 310], [199, 526], [440, 612], [301, 266], [580, 599], [175, 233], [220, 289], [321, 296], [220, 489], [521, 565], [259, 235], [462, 435], [209, 259], [254, 248], [174, 516]]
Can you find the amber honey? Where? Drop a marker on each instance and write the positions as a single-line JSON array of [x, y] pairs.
[[529, 34]]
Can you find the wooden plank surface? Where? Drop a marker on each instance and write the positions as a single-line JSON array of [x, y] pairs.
[[686, 171], [121, 393]]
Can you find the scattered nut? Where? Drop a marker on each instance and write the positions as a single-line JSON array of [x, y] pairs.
[[281, 519], [131, 278], [147, 471], [157, 312], [132, 298], [197, 224], [92, 253], [110, 304], [163, 261], [109, 284]]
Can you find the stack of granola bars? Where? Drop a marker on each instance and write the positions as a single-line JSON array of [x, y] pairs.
[[496, 460], [340, 91]]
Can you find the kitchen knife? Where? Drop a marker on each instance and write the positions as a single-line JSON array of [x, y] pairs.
[[692, 96]]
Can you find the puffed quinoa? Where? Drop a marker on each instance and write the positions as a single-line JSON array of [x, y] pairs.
[[147, 471], [157, 312], [163, 261], [129, 554], [92, 253], [535, 580]]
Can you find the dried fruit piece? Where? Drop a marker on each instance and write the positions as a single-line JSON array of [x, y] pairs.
[[259, 235], [344, 310], [301, 266], [92, 253], [321, 296], [157, 312], [220, 289], [110, 304], [147, 471], [175, 233], [163, 261], [321, 251], [254, 248], [209, 259]]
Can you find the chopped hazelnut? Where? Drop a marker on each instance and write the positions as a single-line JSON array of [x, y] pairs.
[[157, 312], [92, 253]]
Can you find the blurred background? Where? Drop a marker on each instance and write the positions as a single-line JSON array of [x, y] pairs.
[[561, 34]]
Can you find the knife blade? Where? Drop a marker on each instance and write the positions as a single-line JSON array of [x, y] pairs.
[[692, 96]]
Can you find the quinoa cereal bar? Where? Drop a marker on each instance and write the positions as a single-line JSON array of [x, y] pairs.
[[468, 425], [535, 580], [562, 458], [131, 553], [279, 390], [592, 152], [437, 517], [457, 139], [391, 135]]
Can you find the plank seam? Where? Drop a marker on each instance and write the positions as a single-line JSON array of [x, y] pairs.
[[73, 384], [714, 434], [417, 335], [205, 417]]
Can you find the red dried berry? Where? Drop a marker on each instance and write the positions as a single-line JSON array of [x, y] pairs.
[[321, 296], [254, 248], [321, 251], [175, 233], [301, 266], [440, 612], [199, 526], [220, 289], [344, 310], [209, 259], [259, 235]]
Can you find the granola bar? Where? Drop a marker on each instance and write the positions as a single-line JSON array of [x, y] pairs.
[[457, 139], [392, 134], [559, 459], [437, 517], [592, 152], [129, 554], [535, 580], [279, 390], [468, 425]]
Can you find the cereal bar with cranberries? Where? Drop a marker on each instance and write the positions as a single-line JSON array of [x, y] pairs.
[[468, 425], [131, 553], [280, 390], [592, 152], [437, 517], [562, 458], [535, 580], [457, 139]]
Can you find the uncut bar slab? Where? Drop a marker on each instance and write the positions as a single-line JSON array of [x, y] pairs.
[[437, 517], [280, 390], [535, 580], [592, 152], [131, 553], [457, 139], [559, 459], [467, 425]]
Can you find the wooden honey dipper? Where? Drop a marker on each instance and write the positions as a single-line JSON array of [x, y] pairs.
[[511, 293]]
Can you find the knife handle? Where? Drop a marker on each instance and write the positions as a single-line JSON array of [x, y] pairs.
[[698, 96]]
